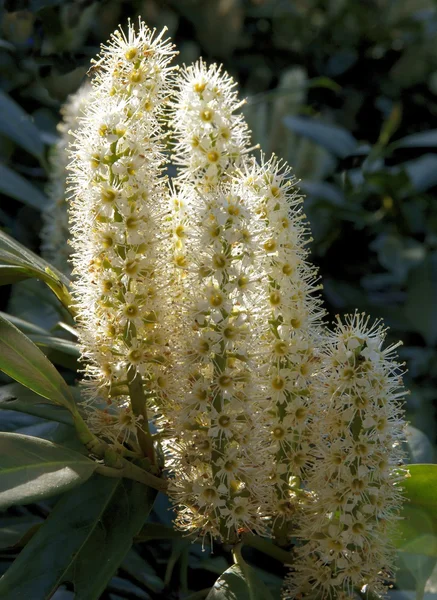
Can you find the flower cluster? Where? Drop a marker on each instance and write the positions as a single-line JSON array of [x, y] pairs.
[[289, 328], [55, 230], [357, 454], [219, 468], [210, 138], [218, 461], [196, 299], [118, 208]]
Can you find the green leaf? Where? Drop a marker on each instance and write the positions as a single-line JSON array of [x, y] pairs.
[[17, 254], [422, 172], [12, 274], [15, 186], [418, 528], [158, 531], [15, 396], [17, 125], [83, 541], [55, 343], [140, 570], [335, 139], [425, 139], [32, 469], [27, 264], [24, 362], [235, 584], [324, 82], [24, 326], [420, 304], [15, 531], [321, 189]]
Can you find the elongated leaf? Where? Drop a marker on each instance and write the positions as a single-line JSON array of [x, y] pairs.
[[321, 189], [59, 344], [13, 254], [137, 567], [24, 326], [14, 531], [424, 139], [422, 292], [32, 469], [57, 433], [422, 172], [16, 254], [14, 185], [60, 351], [24, 362], [17, 125], [418, 529], [335, 139], [83, 541], [237, 583], [12, 274]]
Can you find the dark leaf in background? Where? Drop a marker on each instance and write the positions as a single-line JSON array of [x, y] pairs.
[[83, 541], [420, 307], [24, 362], [32, 469], [17, 125], [331, 137], [14, 185]]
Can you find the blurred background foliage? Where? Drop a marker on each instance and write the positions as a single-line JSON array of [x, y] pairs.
[[345, 91]]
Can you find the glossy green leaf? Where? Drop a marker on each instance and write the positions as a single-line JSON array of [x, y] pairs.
[[58, 433], [418, 528], [237, 583], [24, 326], [55, 343], [14, 185], [335, 139], [17, 125], [32, 469], [24, 362], [14, 253], [15, 396], [12, 274], [83, 541], [27, 264]]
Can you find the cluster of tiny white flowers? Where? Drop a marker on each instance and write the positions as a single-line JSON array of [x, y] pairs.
[[216, 459], [210, 139], [289, 328], [347, 530], [202, 296], [118, 207], [55, 230], [217, 408]]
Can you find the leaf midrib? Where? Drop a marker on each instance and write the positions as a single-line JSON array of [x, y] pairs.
[[76, 555]]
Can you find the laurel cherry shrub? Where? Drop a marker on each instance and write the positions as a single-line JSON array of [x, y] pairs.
[[204, 346]]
